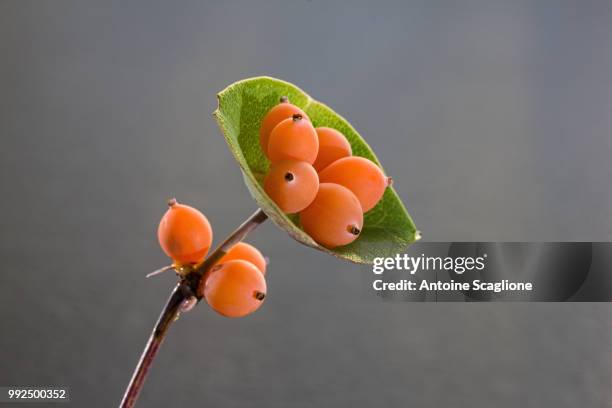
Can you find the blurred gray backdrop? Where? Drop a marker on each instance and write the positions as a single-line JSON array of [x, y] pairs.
[[494, 117]]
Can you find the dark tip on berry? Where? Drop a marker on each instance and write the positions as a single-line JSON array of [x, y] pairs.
[[389, 181], [354, 230], [283, 99], [297, 116], [172, 202], [259, 295], [289, 176], [216, 268]]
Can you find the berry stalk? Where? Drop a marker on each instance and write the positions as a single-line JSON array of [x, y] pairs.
[[183, 293], [168, 315]]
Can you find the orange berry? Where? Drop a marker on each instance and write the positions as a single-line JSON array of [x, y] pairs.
[[292, 185], [245, 252], [332, 146], [274, 116], [293, 138], [184, 234], [364, 178], [334, 218], [235, 288]]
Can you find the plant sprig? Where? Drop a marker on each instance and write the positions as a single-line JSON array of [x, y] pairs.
[[180, 299]]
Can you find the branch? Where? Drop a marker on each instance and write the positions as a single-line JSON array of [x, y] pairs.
[[184, 290], [166, 318], [235, 237]]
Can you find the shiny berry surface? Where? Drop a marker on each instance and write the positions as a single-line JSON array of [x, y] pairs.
[[235, 288], [274, 116], [184, 233], [334, 218], [293, 138], [332, 146], [360, 175], [292, 185], [245, 252]]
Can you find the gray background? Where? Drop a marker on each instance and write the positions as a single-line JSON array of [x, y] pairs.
[[493, 117]]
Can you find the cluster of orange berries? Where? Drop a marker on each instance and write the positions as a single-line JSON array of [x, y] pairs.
[[313, 173], [236, 285]]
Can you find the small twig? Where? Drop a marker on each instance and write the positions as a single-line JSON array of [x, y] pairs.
[[159, 271], [235, 237], [187, 288], [167, 316]]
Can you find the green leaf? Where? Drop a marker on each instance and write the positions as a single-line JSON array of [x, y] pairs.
[[387, 229]]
